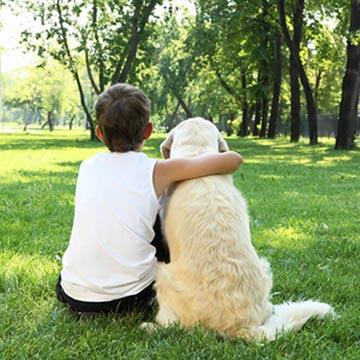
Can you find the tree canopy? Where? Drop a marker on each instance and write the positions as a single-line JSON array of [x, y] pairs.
[[256, 67]]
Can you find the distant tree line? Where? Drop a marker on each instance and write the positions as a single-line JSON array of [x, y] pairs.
[[246, 64], [45, 95]]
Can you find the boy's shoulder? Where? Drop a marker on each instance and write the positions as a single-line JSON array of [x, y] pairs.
[[111, 157], [90, 160]]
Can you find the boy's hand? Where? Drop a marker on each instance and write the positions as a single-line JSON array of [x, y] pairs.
[[168, 171]]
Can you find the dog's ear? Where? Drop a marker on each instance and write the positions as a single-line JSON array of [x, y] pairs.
[[223, 146], [165, 146]]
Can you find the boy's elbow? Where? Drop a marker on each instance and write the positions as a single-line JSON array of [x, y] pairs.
[[240, 159], [237, 160]]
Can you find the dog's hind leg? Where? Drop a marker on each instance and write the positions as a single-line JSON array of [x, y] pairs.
[[166, 293], [166, 316]]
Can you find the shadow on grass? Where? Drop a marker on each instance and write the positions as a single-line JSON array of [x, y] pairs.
[[40, 141], [282, 148], [250, 148], [74, 165]]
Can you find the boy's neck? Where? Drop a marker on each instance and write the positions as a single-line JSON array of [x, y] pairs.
[[138, 149]]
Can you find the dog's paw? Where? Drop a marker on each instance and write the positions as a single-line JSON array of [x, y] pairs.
[[149, 326]]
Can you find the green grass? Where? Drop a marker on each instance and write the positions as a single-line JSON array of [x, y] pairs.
[[304, 204]]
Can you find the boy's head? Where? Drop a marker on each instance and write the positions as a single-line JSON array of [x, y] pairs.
[[122, 114]]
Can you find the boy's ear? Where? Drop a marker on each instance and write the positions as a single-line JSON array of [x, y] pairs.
[[148, 130], [99, 134]]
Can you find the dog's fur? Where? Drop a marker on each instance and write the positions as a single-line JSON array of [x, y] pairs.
[[215, 277]]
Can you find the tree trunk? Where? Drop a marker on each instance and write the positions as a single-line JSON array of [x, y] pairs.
[[50, 120], [228, 129], [345, 138], [251, 111], [264, 65], [25, 118], [89, 118], [100, 59], [71, 121], [295, 54], [139, 22], [243, 131], [90, 75], [277, 87], [74, 71], [317, 85], [295, 101], [310, 104], [171, 119], [133, 46], [231, 91], [184, 106], [264, 116], [257, 118], [294, 47]]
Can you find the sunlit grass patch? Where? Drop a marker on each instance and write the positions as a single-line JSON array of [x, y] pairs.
[[286, 237], [34, 267]]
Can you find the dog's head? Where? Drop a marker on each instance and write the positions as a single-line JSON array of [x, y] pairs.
[[193, 137]]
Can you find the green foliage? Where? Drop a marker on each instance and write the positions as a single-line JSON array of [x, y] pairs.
[[324, 58], [99, 31], [354, 38], [189, 63], [236, 36], [175, 59], [47, 88], [106, 35], [304, 205]]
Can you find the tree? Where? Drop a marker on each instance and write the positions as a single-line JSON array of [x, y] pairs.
[[228, 41], [324, 58], [351, 84], [224, 63], [43, 93], [218, 46], [297, 67], [175, 61], [276, 87], [265, 68], [106, 35]]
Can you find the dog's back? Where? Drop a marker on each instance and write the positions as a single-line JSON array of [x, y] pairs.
[[215, 272]]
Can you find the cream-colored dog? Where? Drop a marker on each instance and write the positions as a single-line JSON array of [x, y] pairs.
[[215, 277]]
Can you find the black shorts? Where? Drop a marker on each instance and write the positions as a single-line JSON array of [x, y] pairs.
[[138, 302]]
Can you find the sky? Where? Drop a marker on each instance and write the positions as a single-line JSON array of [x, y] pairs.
[[12, 57]]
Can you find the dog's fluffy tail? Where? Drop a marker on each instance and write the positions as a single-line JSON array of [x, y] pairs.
[[292, 316]]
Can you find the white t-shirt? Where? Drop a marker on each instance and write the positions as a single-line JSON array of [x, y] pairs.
[[109, 255]]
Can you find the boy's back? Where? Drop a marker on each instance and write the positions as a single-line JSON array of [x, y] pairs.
[[110, 255]]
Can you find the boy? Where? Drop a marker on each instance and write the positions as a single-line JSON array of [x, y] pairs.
[[110, 263]]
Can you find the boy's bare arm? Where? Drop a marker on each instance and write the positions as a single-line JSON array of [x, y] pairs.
[[172, 170]]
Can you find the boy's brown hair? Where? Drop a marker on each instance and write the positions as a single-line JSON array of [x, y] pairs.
[[122, 114]]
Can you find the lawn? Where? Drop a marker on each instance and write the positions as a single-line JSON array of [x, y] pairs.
[[304, 204]]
